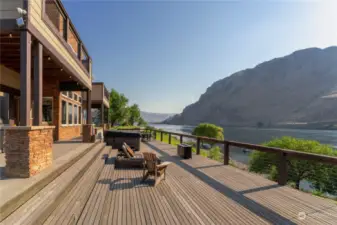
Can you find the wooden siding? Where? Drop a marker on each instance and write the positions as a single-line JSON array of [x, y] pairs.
[[8, 8], [35, 19], [97, 92]]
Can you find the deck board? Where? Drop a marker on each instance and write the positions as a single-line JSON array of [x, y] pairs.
[[198, 191]]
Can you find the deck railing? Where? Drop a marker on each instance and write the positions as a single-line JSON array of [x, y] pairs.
[[56, 17], [284, 154]]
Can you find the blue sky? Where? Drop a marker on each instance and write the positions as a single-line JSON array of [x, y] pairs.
[[164, 55]]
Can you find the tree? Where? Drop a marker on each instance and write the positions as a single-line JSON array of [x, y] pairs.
[[322, 177], [209, 130], [118, 107], [142, 122], [134, 114]]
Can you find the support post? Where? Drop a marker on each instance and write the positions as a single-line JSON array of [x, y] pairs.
[[38, 80], [25, 78], [161, 136], [181, 139], [198, 146], [226, 154], [102, 115], [89, 117], [169, 138], [282, 169]]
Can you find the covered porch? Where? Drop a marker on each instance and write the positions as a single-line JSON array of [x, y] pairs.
[[100, 105], [45, 69]]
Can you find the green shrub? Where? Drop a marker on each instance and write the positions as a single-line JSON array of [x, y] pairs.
[[321, 176]]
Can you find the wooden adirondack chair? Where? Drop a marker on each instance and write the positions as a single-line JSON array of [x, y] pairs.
[[153, 167]]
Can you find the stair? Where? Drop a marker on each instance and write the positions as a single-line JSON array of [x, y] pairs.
[[70, 210], [42, 205]]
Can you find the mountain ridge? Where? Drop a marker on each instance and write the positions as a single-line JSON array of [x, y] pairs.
[[282, 90]]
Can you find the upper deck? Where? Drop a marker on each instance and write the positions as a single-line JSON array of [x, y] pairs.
[[49, 22], [100, 94]]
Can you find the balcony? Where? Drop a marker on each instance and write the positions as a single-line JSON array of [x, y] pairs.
[[50, 23], [56, 18]]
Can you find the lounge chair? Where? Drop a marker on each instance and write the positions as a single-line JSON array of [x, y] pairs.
[[128, 159], [153, 167]]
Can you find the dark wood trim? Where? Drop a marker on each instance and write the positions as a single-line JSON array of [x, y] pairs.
[[57, 56], [198, 146], [8, 25], [9, 90], [38, 81], [226, 154], [79, 51], [102, 114], [89, 117], [25, 78], [71, 86], [64, 39]]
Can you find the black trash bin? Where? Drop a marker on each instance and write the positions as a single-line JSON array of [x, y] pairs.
[[184, 151]]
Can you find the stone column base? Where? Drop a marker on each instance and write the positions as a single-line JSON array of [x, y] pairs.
[[88, 133], [28, 150]]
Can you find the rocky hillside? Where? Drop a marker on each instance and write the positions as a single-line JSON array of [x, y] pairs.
[[155, 117], [282, 90]]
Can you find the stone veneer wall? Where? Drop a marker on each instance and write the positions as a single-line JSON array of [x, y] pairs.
[[69, 132], [88, 133], [28, 150]]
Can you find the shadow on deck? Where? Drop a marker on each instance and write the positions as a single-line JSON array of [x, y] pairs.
[[199, 191]]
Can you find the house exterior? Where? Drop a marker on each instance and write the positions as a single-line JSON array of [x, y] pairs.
[[100, 104], [47, 62], [45, 71]]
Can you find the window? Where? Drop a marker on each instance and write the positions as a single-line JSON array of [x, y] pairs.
[[75, 97], [65, 93], [75, 114], [70, 94], [47, 109], [64, 112], [79, 115], [70, 113], [80, 99]]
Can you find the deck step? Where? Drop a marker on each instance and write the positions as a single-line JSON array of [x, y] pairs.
[[37, 209], [19, 191], [72, 206], [94, 205]]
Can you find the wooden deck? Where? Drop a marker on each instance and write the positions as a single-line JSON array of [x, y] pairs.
[[196, 191]]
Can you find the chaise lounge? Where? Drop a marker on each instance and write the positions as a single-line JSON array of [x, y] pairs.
[[127, 158]]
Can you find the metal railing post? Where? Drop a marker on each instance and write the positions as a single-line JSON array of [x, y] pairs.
[[161, 136], [169, 138], [198, 146], [226, 154], [282, 169], [181, 139]]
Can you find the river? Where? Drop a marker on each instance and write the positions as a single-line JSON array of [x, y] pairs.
[[260, 135]]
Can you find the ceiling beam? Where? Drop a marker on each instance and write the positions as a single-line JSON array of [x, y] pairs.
[[71, 86]]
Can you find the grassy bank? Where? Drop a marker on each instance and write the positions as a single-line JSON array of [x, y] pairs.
[[175, 141]]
